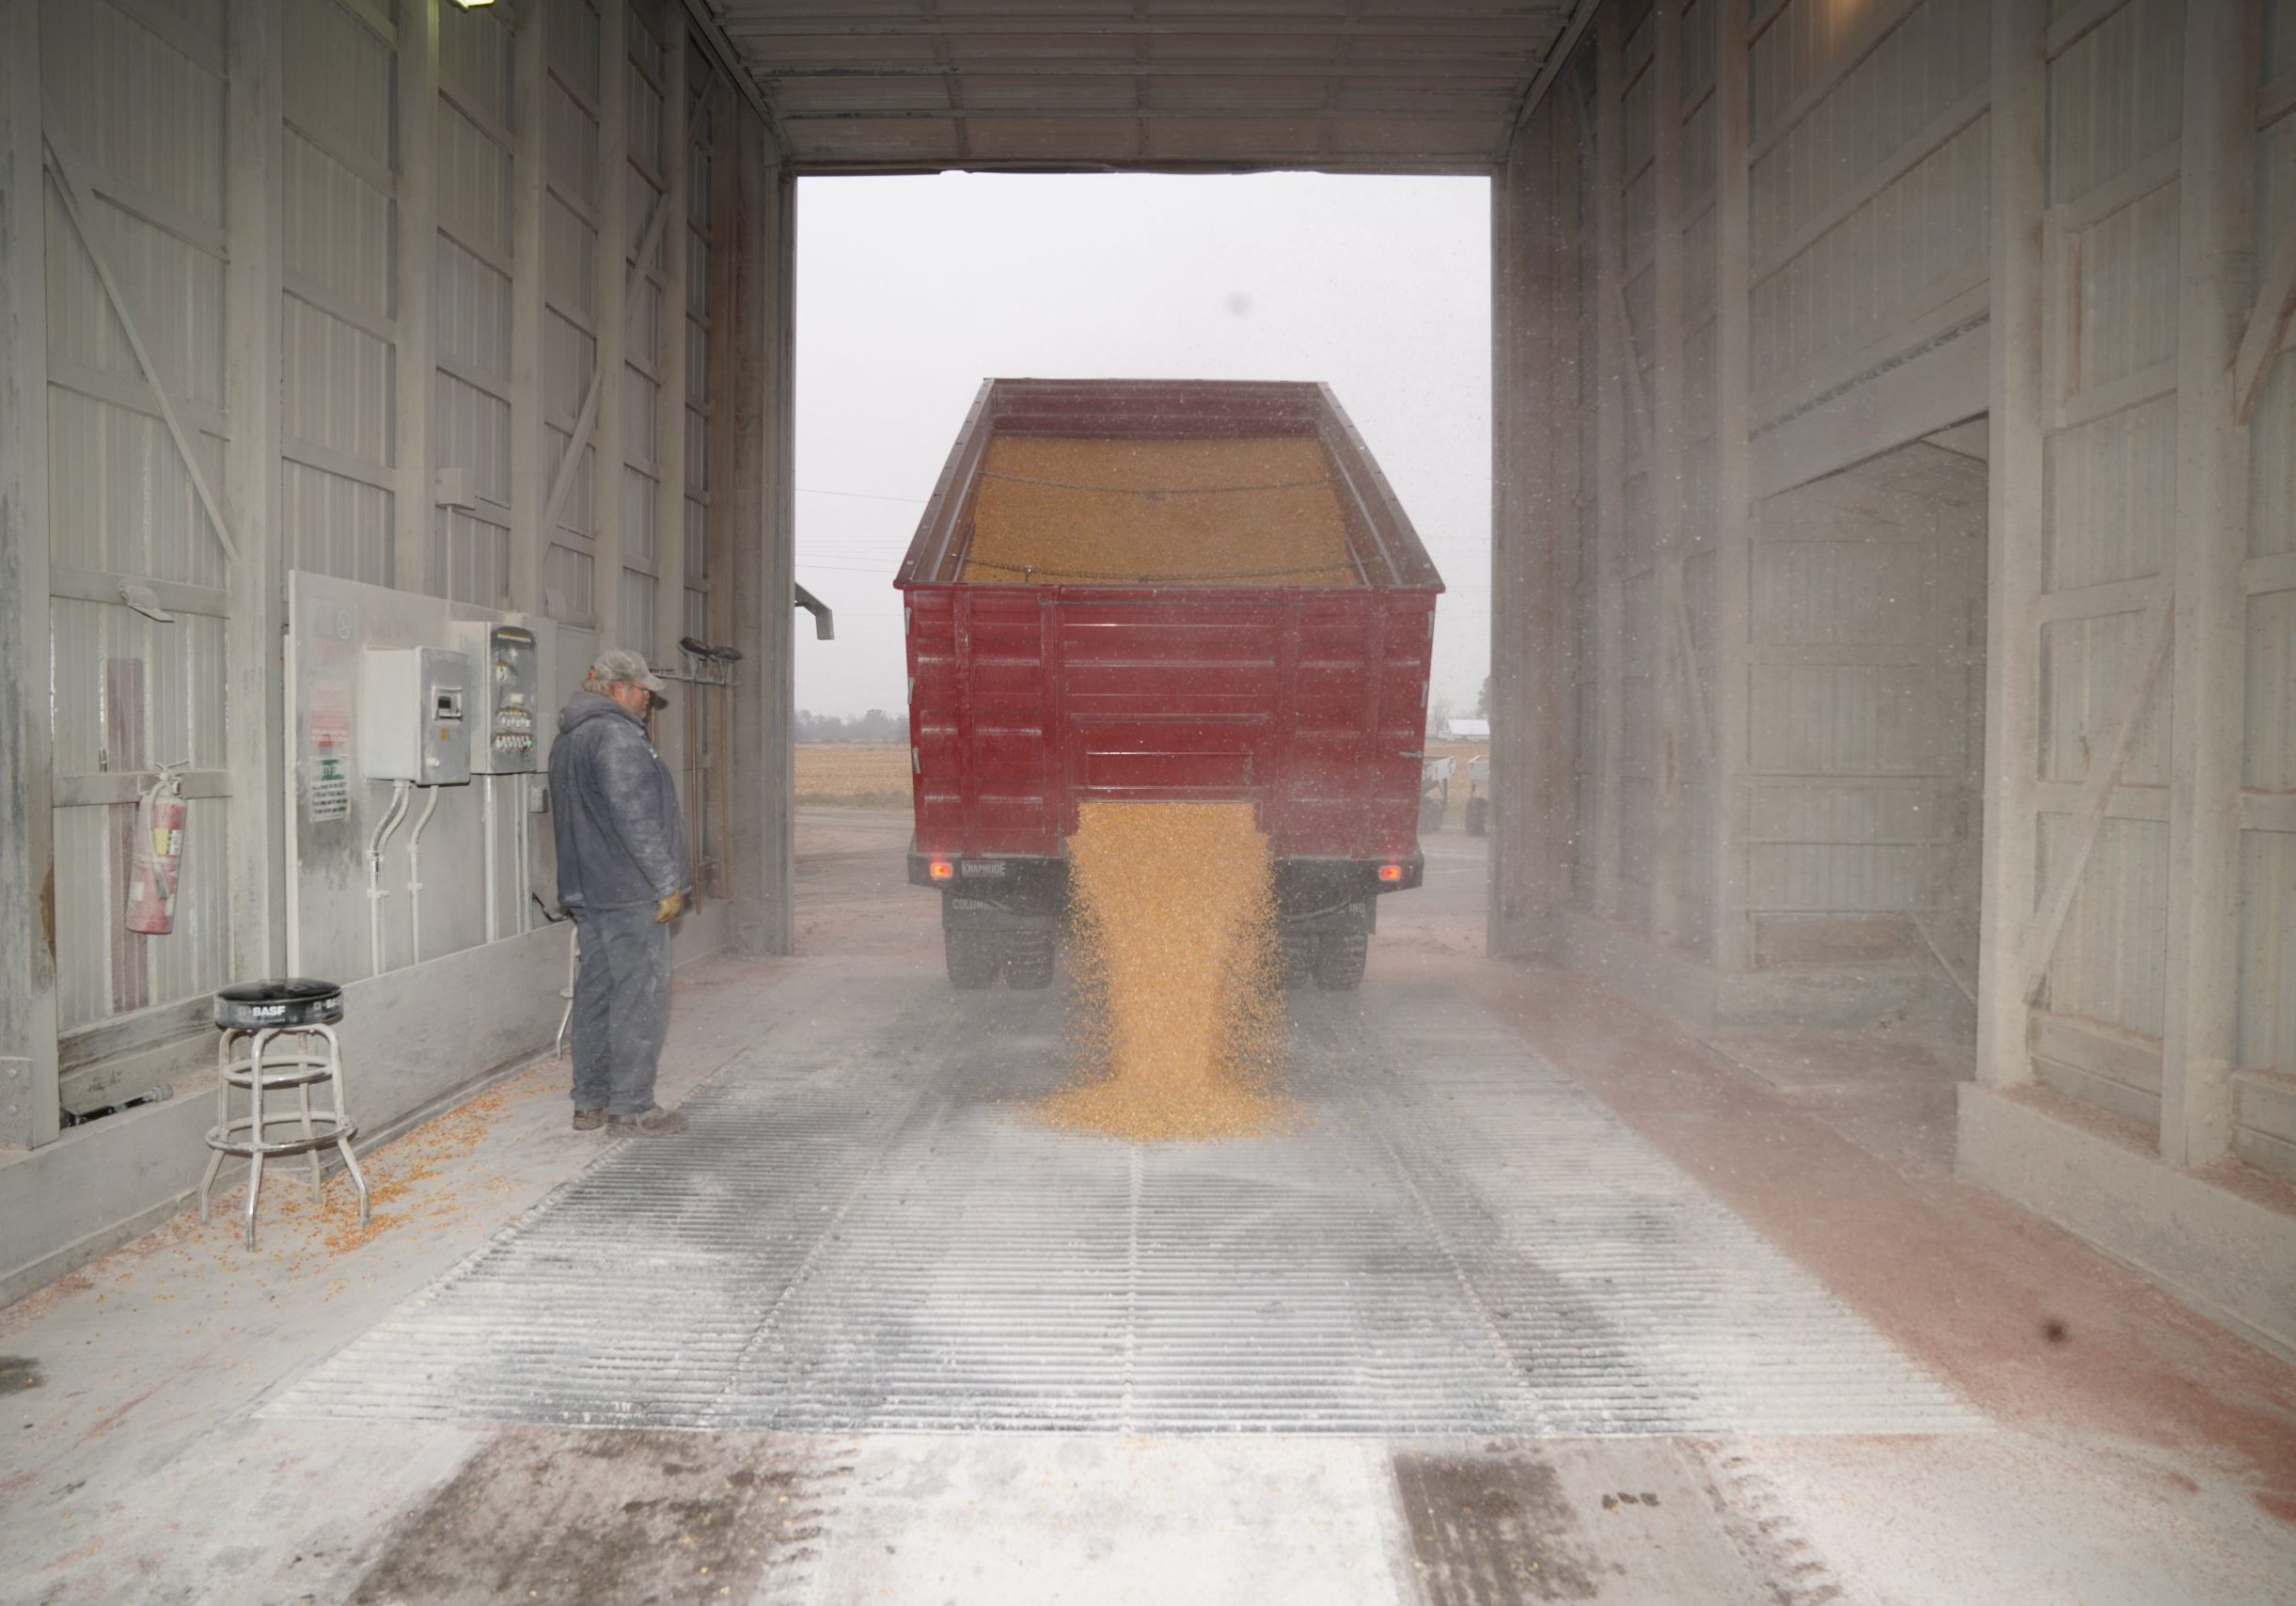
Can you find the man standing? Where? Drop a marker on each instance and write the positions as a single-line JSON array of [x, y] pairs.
[[622, 877]]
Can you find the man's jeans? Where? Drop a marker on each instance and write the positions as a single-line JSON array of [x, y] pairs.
[[620, 1008]]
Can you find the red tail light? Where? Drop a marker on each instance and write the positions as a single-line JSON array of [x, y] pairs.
[[1391, 872], [941, 869]]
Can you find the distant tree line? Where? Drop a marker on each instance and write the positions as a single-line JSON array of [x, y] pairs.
[[875, 725]]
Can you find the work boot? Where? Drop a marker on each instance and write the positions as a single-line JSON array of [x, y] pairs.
[[588, 1119], [651, 1122]]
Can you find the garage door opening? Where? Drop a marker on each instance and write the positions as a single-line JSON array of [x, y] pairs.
[[1863, 808], [913, 291]]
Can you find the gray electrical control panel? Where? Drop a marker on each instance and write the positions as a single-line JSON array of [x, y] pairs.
[[506, 699], [414, 703]]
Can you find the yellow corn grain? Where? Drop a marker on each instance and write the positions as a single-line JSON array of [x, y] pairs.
[[1179, 975], [1066, 510]]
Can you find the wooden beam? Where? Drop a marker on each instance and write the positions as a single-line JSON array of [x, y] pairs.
[[529, 304], [723, 533], [1477, 28], [1924, 144], [1639, 410], [1517, 281], [94, 585], [1675, 673], [2267, 324], [73, 192], [2103, 774], [603, 407], [2014, 512], [1557, 797], [702, 19], [1734, 515], [2077, 22], [670, 488], [2200, 1036], [1877, 25], [1093, 111], [1613, 360], [761, 866], [2275, 99], [28, 1070], [1535, 536], [594, 396], [257, 740], [414, 499], [1686, 660]]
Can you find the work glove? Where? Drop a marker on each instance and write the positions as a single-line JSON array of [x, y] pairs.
[[669, 909]]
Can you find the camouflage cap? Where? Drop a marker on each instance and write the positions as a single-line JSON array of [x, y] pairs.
[[621, 666]]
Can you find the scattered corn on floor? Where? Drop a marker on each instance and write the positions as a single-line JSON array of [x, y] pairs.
[[1178, 976], [1256, 511]]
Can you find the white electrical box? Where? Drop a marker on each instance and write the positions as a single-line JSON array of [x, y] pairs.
[[412, 707], [505, 698]]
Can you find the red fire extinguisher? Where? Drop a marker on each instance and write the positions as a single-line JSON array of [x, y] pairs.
[[161, 815]]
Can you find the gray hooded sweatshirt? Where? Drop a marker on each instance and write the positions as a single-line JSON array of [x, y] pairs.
[[614, 809]]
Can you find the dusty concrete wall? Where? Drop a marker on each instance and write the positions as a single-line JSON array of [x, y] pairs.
[[428, 299], [2057, 240]]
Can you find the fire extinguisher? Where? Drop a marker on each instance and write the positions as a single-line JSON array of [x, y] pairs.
[[161, 816]]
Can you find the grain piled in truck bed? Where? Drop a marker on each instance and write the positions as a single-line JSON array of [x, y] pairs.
[[1178, 972], [1260, 512]]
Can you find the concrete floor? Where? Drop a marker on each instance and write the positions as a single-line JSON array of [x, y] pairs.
[[2130, 1453]]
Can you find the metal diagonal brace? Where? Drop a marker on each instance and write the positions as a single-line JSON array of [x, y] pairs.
[[2096, 791], [74, 194], [2267, 324], [1686, 652], [562, 485], [1614, 306]]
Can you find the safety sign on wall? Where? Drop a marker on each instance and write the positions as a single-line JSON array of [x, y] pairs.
[[326, 793]]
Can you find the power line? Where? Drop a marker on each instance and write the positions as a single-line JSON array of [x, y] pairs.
[[862, 496]]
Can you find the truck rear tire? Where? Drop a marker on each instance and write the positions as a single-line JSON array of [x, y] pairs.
[[1028, 960], [1339, 964], [1431, 815], [972, 960], [1478, 816], [1298, 951]]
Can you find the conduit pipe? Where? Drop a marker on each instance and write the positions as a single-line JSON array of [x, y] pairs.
[[492, 856], [524, 804], [414, 870], [376, 893]]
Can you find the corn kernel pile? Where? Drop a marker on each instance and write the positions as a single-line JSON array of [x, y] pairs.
[[1061, 510], [1179, 978]]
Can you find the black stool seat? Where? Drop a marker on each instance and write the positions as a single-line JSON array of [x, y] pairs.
[[278, 1036], [279, 1001]]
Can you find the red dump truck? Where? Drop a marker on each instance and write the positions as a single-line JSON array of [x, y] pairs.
[[1162, 590]]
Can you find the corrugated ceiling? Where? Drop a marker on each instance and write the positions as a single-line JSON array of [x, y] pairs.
[[873, 86]]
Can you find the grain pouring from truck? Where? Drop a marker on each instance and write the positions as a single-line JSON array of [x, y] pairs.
[[1167, 592]]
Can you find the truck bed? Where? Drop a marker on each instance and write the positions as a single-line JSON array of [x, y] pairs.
[[1165, 591]]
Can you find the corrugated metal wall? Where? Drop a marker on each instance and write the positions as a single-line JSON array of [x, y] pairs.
[[1865, 677], [1831, 642], [2265, 1089], [136, 134], [402, 166], [2108, 536]]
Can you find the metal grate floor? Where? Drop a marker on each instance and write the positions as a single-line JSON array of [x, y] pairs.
[[865, 1231]]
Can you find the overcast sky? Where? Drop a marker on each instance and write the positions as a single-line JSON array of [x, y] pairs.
[[910, 292]]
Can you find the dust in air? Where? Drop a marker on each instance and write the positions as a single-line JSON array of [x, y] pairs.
[[1179, 979]]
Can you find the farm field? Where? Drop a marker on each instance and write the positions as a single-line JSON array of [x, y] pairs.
[[855, 775]]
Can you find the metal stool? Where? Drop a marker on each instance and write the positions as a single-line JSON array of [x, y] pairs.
[[261, 1019]]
